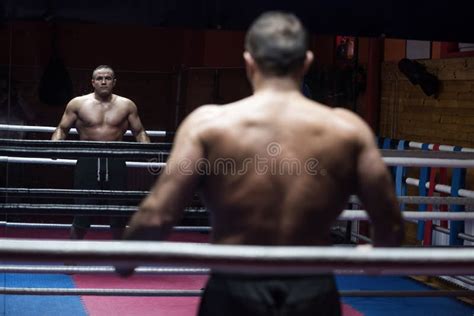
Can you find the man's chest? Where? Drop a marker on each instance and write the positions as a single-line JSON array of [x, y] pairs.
[[98, 114]]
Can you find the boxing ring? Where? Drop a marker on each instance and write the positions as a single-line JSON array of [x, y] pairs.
[[196, 259]]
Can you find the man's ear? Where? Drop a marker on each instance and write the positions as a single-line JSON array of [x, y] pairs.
[[249, 61], [308, 61], [249, 65]]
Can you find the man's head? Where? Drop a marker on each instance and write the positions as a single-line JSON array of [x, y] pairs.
[[103, 80], [276, 44]]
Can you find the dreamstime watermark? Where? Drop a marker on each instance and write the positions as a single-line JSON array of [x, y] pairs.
[[272, 162]]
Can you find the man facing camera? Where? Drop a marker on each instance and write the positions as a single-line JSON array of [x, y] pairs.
[[100, 116]]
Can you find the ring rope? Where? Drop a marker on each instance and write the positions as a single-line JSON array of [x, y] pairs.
[[247, 259], [418, 145], [428, 162], [404, 162], [74, 153], [386, 153], [72, 162], [437, 200], [114, 210], [50, 129], [72, 193], [90, 144], [443, 188], [193, 229], [97, 227], [417, 154], [75, 209], [98, 269], [195, 293]]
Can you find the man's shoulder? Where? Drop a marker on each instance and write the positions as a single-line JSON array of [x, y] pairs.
[[354, 124], [79, 101], [123, 101], [120, 98], [203, 119], [347, 117], [205, 112]]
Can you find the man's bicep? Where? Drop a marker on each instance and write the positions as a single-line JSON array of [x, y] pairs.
[[134, 120], [372, 174], [180, 178], [69, 117], [375, 189]]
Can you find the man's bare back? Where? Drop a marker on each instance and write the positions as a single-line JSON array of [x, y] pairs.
[[274, 169], [280, 168]]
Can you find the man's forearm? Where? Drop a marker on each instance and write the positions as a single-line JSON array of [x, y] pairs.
[[58, 134], [148, 223], [142, 137], [144, 228]]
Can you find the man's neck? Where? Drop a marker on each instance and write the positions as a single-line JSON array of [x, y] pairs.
[[276, 85], [103, 98]]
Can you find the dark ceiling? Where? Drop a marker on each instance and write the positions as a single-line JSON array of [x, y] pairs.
[[423, 19]]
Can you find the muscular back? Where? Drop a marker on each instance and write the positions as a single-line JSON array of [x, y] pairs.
[[273, 169], [281, 170]]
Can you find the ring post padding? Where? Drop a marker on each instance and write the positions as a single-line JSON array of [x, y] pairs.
[[428, 233], [400, 172], [457, 182], [443, 179], [422, 191], [387, 144]]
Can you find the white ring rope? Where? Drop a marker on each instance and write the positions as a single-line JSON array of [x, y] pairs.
[[390, 161], [97, 269], [358, 215], [50, 129], [443, 188], [247, 259], [418, 145], [428, 162], [436, 200], [72, 162], [105, 210], [97, 227], [60, 193]]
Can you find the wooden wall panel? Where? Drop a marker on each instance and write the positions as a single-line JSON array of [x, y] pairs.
[[395, 49], [407, 113]]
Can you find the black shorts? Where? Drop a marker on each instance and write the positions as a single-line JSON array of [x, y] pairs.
[[100, 174], [228, 295]]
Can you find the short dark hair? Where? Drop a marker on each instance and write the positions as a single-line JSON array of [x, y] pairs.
[[103, 67], [277, 41]]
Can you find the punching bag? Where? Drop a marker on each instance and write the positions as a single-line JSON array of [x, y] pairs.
[[55, 87], [417, 74]]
